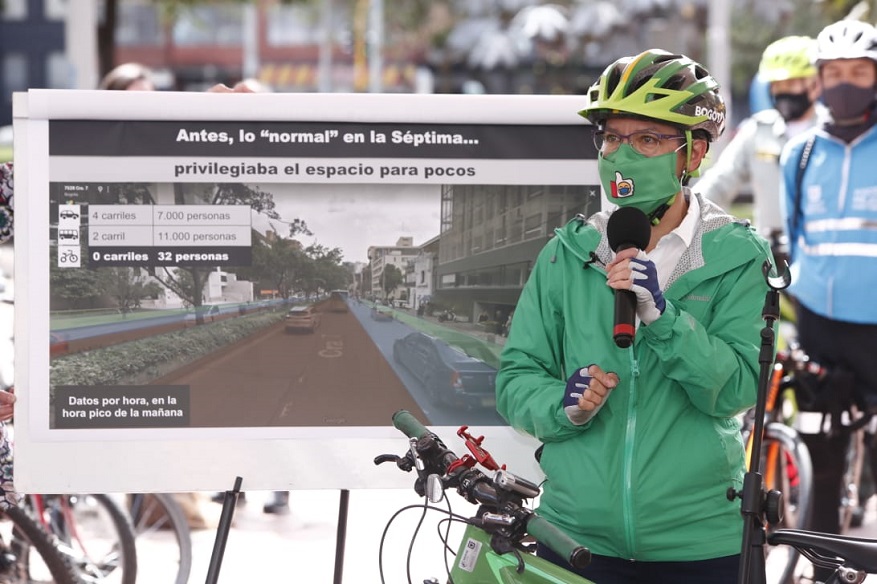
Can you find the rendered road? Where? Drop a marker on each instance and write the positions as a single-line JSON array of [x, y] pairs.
[[340, 375]]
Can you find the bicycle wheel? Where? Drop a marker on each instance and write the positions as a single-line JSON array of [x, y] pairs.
[[28, 554], [162, 529], [850, 500], [786, 467], [98, 536]]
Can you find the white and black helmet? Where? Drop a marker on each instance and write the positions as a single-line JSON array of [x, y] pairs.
[[846, 39]]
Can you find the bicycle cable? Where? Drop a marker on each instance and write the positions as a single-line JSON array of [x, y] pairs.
[[413, 539], [450, 516]]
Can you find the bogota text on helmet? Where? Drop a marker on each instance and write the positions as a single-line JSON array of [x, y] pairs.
[[846, 39], [788, 58], [658, 85]]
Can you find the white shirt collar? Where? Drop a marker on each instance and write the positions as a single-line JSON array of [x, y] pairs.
[[686, 229]]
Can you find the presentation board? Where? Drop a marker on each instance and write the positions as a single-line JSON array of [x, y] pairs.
[[220, 285]]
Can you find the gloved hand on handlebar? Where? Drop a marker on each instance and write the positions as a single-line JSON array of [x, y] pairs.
[[586, 391]]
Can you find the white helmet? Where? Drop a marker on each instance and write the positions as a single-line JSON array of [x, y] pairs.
[[846, 39]]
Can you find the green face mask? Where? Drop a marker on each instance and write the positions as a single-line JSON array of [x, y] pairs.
[[631, 179]]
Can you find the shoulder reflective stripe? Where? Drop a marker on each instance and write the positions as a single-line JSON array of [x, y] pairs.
[[838, 249], [848, 224]]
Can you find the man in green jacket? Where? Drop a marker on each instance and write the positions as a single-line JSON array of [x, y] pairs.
[[641, 443]]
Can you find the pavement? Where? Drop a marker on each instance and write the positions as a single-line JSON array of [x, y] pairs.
[[300, 546]]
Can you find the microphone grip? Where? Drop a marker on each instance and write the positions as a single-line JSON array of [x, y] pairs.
[[624, 328], [625, 318]]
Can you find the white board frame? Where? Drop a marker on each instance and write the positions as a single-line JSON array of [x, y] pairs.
[[197, 459]]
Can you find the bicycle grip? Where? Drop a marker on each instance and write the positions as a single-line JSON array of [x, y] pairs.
[[560, 543], [404, 421]]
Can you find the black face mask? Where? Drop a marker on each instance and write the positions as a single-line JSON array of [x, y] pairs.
[[792, 106], [847, 101]]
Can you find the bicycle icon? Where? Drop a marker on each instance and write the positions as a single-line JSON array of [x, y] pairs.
[[68, 257]]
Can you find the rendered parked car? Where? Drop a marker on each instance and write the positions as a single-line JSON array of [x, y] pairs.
[[448, 375], [302, 319], [381, 313]]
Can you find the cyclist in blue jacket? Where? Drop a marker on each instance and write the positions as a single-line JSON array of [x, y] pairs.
[[830, 196]]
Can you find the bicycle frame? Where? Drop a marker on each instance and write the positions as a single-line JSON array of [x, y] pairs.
[[477, 562], [63, 524]]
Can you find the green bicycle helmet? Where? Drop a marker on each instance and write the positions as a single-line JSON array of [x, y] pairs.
[[788, 58], [661, 86]]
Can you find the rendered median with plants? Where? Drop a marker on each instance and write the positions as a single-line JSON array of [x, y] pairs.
[[141, 360]]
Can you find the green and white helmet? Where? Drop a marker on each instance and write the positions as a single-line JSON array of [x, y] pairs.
[[661, 86], [788, 58]]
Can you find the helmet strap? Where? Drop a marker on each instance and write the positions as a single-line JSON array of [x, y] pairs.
[[656, 215], [688, 147]]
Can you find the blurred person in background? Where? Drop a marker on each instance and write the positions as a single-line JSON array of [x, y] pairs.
[[829, 185], [8, 496], [751, 158], [248, 85], [7, 215], [128, 77]]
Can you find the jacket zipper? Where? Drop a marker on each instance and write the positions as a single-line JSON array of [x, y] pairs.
[[629, 439]]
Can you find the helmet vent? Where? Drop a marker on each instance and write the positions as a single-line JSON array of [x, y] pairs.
[[612, 80]]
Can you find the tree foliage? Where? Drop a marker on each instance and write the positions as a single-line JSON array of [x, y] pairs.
[[278, 263], [127, 287], [74, 288], [391, 278]]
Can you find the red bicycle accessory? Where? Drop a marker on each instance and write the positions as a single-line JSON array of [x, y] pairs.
[[480, 454]]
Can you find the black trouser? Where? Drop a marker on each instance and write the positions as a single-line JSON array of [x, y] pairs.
[[846, 347], [606, 570]]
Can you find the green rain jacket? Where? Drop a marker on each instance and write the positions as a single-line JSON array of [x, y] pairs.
[[646, 478]]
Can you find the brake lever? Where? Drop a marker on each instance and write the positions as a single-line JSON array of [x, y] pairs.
[[403, 462]]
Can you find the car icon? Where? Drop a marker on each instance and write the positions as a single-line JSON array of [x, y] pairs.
[[68, 214]]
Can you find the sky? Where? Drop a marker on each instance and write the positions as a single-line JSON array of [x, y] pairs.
[[353, 217]]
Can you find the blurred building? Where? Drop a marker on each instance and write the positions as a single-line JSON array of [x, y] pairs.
[[490, 237], [280, 44], [31, 49], [380, 258]]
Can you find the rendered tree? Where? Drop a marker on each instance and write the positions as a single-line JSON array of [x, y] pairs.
[[128, 287], [391, 278]]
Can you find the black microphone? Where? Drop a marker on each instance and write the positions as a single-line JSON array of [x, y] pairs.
[[627, 227]]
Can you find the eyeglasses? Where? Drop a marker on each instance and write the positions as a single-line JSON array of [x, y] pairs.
[[645, 142]]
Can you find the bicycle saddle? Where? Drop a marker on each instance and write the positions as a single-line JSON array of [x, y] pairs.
[[857, 552]]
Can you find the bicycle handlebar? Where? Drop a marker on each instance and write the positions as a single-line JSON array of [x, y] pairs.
[[483, 491], [406, 423], [577, 555]]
